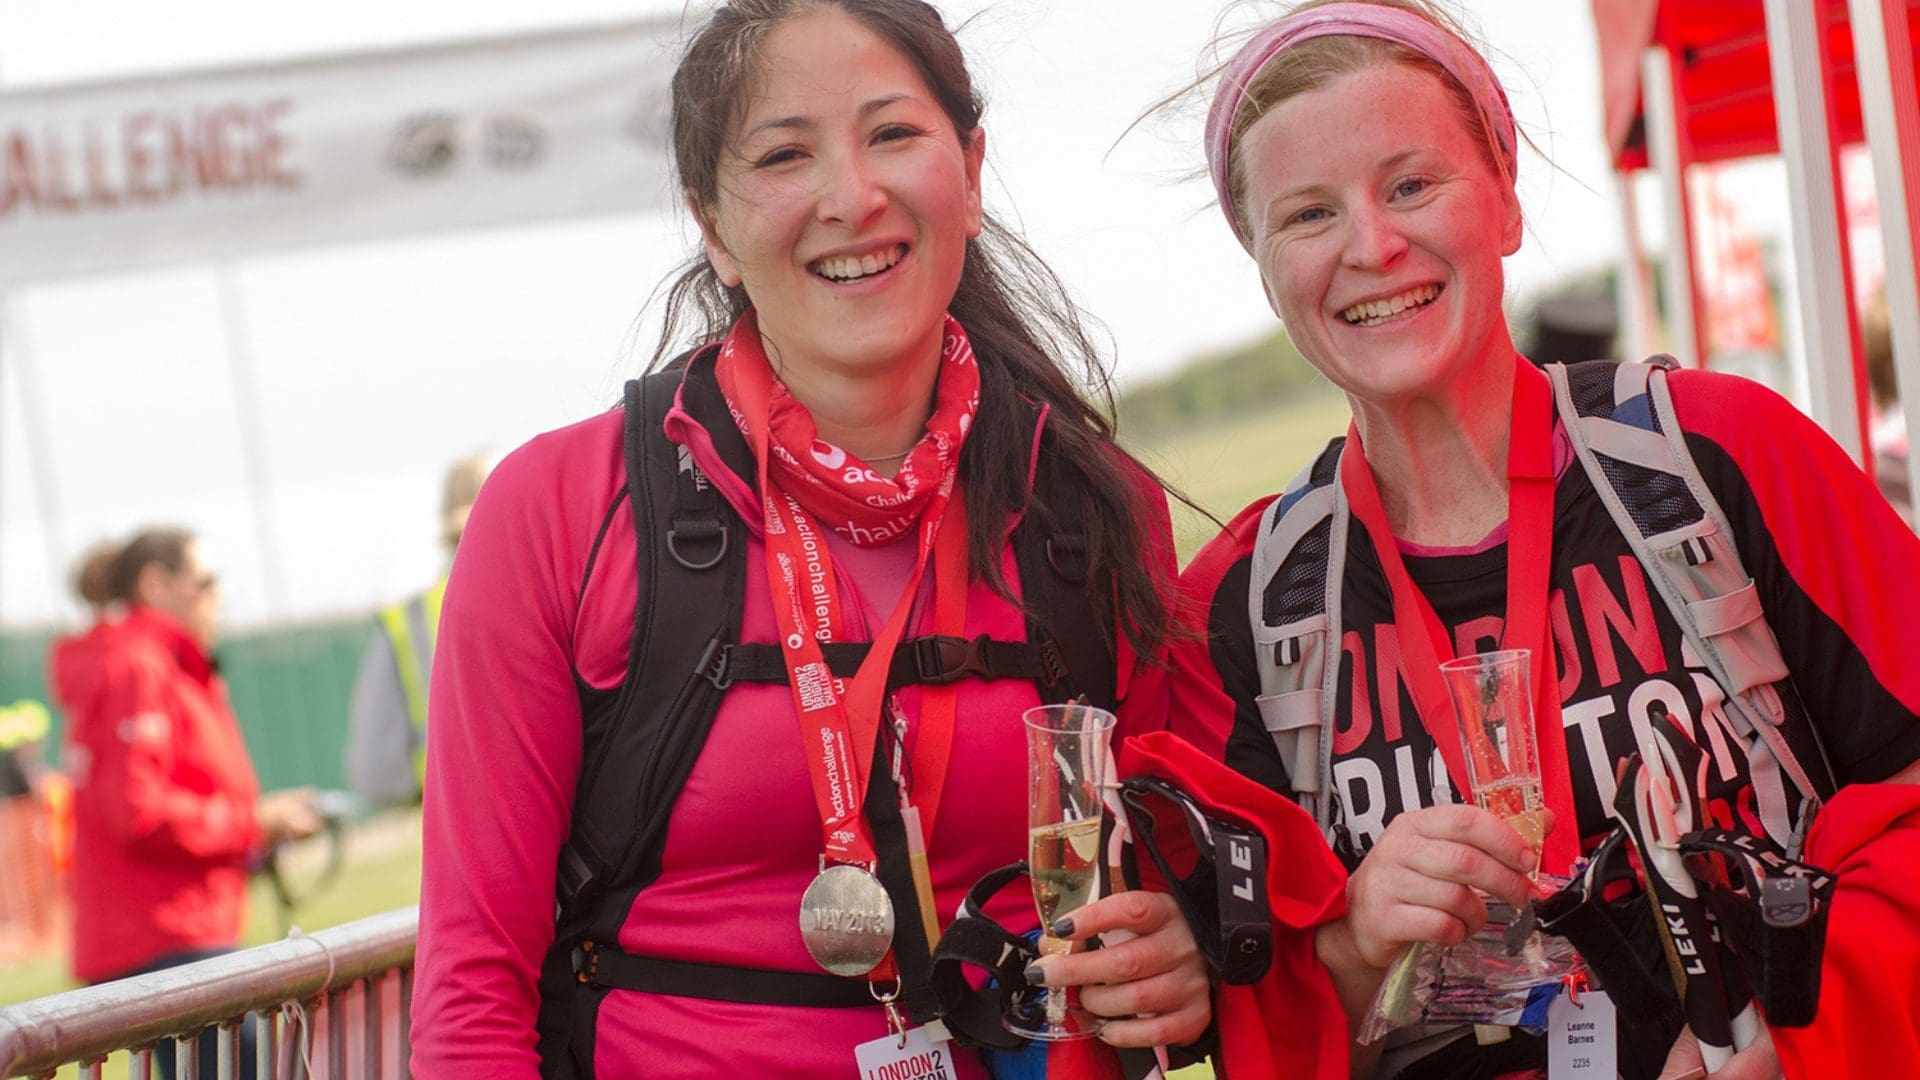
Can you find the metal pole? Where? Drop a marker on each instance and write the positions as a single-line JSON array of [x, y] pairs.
[[1663, 150], [1891, 108], [33, 425], [5, 324], [1794, 47], [38, 446], [3, 434], [253, 443], [1634, 293]]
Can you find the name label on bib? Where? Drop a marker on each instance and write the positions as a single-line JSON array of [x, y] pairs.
[[1580, 1038]]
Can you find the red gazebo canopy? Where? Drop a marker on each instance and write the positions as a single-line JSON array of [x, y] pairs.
[[1723, 90]]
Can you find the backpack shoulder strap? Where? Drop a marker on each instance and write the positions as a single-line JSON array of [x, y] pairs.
[[1293, 605], [691, 551], [1621, 422], [639, 743], [1060, 599]]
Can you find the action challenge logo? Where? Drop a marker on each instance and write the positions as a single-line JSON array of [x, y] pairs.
[[430, 145]]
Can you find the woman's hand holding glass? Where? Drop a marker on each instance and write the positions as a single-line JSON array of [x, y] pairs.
[[1153, 988], [1419, 882], [1155, 980], [1066, 761]]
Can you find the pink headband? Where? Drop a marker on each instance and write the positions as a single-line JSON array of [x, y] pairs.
[[1350, 20]]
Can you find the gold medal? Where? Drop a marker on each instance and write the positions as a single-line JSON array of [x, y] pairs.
[[846, 920]]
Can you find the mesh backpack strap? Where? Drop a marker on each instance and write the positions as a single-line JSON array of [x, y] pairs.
[[1621, 421], [1293, 605]]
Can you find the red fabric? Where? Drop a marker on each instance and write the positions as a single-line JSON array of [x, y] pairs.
[[1203, 710], [1724, 86], [164, 796], [1827, 521], [1085, 1059], [830, 483], [1290, 1023], [1869, 1019]]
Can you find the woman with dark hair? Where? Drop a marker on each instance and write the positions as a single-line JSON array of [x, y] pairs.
[[168, 817], [1364, 155], [876, 356]]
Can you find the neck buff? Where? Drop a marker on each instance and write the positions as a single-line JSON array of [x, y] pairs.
[[1392, 24], [835, 487]]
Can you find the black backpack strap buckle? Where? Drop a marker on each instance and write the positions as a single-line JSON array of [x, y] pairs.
[[586, 963], [714, 663], [573, 876], [945, 658], [937, 659], [694, 533], [1053, 665]]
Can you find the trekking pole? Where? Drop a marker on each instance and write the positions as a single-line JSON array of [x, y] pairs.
[[1685, 774], [1654, 799]]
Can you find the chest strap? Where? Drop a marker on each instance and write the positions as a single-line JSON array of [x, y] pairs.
[[603, 965], [600, 964], [929, 660]]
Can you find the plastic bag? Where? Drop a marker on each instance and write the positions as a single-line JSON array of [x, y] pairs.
[[1507, 974]]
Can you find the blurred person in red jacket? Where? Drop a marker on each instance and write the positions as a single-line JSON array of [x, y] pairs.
[[168, 815]]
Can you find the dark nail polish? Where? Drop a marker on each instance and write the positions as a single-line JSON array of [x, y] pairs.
[[1036, 975], [1062, 928]]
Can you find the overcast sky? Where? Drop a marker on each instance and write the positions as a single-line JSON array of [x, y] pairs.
[[380, 363]]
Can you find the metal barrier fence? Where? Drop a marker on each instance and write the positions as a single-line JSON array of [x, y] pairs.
[[329, 1005]]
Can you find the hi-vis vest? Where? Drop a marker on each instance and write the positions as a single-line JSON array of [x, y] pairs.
[[23, 722], [1621, 422], [412, 628]]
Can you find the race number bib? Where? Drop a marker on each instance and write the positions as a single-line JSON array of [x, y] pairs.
[[1580, 1038], [921, 1058]]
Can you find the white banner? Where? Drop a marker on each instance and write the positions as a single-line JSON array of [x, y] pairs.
[[138, 173]]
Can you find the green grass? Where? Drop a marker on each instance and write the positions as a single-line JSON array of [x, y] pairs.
[[1225, 464]]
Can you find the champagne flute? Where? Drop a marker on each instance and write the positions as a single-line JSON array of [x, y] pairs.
[[1066, 757], [1492, 696]]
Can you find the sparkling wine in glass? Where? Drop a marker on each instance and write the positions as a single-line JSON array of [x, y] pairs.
[[1492, 696], [1065, 867], [1066, 759]]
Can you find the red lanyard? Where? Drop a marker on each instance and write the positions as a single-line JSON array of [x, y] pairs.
[[839, 723], [1426, 644]]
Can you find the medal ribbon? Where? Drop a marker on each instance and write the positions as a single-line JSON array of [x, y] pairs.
[[839, 724], [1425, 643]]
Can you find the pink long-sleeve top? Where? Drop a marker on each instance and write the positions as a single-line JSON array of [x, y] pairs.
[[523, 618]]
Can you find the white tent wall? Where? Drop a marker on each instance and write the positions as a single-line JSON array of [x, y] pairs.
[[356, 481], [178, 381]]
